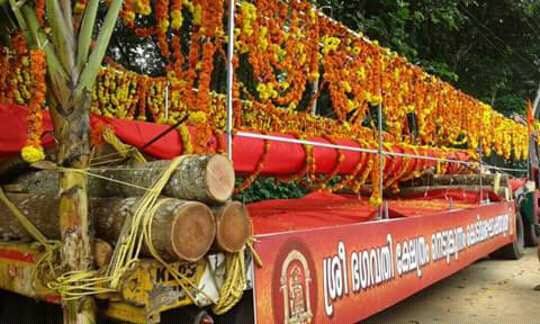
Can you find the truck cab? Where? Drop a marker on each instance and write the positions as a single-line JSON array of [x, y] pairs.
[[528, 196]]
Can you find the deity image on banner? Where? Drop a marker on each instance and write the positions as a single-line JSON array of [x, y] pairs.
[[295, 285]]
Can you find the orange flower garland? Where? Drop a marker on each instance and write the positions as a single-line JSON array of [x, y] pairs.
[[348, 180], [376, 193], [4, 66], [258, 169], [32, 151], [40, 11], [128, 13], [162, 18], [322, 184], [357, 185], [289, 47]]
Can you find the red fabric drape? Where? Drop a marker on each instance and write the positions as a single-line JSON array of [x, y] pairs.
[[283, 159], [324, 209]]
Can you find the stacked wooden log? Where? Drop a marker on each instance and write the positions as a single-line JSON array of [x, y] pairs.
[[497, 183], [460, 180], [194, 215]]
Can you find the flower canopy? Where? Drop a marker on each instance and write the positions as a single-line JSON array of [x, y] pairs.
[[297, 72]]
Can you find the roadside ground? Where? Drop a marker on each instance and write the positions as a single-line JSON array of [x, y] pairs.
[[489, 291]]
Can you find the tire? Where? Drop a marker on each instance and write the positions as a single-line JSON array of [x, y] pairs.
[[516, 249], [532, 237]]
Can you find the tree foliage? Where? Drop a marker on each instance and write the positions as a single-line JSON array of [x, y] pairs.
[[489, 49], [270, 188]]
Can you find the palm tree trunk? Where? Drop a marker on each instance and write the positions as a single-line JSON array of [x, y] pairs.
[[73, 66], [74, 153]]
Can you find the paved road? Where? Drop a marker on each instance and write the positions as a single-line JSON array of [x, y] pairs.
[[490, 291]]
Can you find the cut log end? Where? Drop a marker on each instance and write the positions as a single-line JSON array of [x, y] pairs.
[[193, 231], [233, 227], [220, 178]]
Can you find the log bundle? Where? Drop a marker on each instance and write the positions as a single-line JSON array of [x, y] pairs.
[[501, 180], [497, 183], [194, 214], [180, 229], [204, 178]]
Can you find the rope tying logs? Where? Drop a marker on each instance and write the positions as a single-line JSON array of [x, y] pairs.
[[135, 233], [135, 236], [131, 212]]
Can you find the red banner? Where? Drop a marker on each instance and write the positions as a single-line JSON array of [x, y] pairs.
[[346, 273]]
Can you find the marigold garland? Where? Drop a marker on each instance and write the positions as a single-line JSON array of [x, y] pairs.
[[258, 169], [357, 185], [32, 151], [163, 23], [40, 11], [185, 135], [290, 48], [322, 184], [376, 193], [176, 14], [358, 177]]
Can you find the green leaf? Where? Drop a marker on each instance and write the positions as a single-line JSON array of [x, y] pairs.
[[85, 33], [91, 70], [62, 38]]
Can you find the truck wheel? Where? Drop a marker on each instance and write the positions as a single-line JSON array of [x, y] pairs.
[[532, 237], [516, 249]]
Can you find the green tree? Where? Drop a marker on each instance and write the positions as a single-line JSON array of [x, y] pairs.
[[488, 49]]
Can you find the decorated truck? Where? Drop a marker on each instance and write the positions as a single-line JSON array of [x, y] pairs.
[[236, 161]]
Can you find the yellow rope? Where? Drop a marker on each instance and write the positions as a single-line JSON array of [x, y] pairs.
[[121, 148], [85, 171], [51, 246], [76, 284], [182, 280], [101, 161], [25, 222], [235, 282], [256, 257], [135, 233], [130, 241], [234, 285], [139, 231]]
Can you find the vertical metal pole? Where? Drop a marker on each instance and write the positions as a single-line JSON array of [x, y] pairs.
[[480, 171], [381, 158], [230, 80], [314, 93], [530, 174], [481, 186]]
